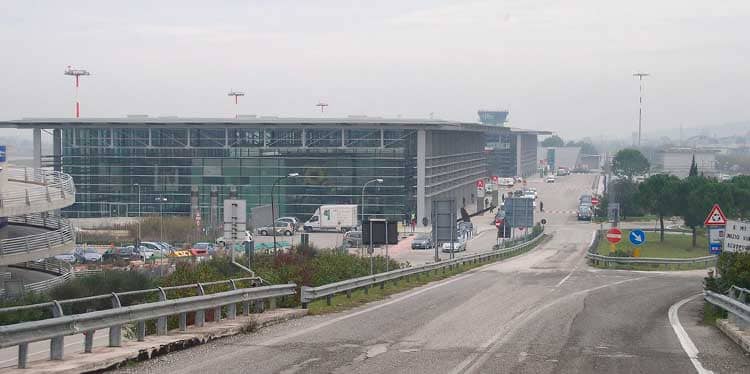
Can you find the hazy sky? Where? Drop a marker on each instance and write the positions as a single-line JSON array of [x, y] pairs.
[[564, 66]]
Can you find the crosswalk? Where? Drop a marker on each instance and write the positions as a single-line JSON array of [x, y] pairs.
[[560, 211]]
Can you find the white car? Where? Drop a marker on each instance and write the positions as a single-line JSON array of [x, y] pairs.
[[458, 246], [551, 179]]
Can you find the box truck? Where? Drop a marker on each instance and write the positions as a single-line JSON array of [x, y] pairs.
[[332, 218]]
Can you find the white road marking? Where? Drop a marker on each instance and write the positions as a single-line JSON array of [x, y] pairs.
[[683, 337], [593, 237], [475, 360]]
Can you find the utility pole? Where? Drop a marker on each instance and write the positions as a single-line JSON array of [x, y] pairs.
[[640, 103]]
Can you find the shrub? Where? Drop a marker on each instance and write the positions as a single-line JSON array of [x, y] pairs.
[[732, 269]]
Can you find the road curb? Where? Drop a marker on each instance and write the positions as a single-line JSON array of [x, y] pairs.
[[107, 358], [742, 338]]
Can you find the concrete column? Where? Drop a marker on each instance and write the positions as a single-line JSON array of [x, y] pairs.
[[519, 152], [382, 140], [57, 149], [343, 138], [37, 147], [421, 174], [304, 138]]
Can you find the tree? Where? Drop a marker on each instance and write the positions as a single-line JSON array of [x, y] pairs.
[[625, 192], [629, 163], [658, 195], [553, 141], [696, 197], [586, 147], [693, 168]]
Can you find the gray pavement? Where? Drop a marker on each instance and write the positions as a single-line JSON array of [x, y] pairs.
[[543, 312]]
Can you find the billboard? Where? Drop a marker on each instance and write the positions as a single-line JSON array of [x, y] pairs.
[[519, 211], [379, 230]]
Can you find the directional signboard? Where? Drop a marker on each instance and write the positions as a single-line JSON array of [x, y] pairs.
[[480, 188], [737, 236], [614, 235], [637, 237], [715, 237], [235, 220], [715, 217], [2, 153], [519, 211]]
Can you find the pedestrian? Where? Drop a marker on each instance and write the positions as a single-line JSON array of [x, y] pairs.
[[413, 224], [492, 208], [541, 206]]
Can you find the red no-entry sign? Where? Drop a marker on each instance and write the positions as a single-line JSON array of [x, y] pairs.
[[594, 201], [614, 235]]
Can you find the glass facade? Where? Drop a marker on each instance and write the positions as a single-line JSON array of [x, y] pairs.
[[131, 171]]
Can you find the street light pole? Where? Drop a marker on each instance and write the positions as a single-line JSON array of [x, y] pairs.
[[273, 208], [139, 212], [362, 220], [161, 201], [640, 103]]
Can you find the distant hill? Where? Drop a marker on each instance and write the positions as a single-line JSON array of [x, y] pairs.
[[719, 131]]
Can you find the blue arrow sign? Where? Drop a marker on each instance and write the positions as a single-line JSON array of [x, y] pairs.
[[2, 153], [637, 236]]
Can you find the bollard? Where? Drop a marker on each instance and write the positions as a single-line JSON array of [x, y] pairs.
[[382, 285], [328, 300], [141, 330]]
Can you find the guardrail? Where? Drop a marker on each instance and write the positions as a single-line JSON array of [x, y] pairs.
[[44, 186], [735, 303], [55, 329], [62, 232], [308, 294]]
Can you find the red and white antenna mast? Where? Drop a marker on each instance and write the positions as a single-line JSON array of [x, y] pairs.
[[236, 95], [76, 73], [322, 106]]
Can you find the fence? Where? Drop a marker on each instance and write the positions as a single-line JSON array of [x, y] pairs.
[[735, 303], [44, 186], [308, 294], [62, 232], [56, 328]]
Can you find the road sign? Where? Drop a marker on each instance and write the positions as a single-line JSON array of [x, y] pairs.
[[495, 180], [519, 211], [715, 238], [737, 237], [2, 153], [480, 188], [235, 220], [498, 222], [637, 236], [614, 235], [715, 217], [594, 201]]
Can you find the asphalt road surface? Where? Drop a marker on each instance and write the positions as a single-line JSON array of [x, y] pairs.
[[543, 312]]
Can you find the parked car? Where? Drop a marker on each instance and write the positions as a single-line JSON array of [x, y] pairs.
[[458, 246], [282, 228], [247, 237], [87, 255], [422, 241], [353, 238], [128, 253], [584, 200], [584, 213], [292, 220], [202, 249], [155, 247], [550, 179], [66, 257]]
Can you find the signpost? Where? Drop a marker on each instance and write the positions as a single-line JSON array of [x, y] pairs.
[[737, 236], [519, 212], [480, 188], [716, 222], [715, 237], [637, 237], [614, 235]]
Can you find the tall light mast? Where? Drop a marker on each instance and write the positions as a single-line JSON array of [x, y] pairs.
[[640, 103], [76, 73], [236, 95], [322, 106]]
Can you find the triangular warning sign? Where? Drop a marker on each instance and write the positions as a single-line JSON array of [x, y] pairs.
[[716, 217]]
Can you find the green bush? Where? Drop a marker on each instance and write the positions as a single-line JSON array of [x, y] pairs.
[[28, 314], [732, 269]]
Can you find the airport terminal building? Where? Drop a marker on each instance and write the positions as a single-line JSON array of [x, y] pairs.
[[139, 165]]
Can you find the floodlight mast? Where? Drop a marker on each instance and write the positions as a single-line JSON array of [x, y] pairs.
[[322, 106], [640, 103], [236, 95], [77, 73]]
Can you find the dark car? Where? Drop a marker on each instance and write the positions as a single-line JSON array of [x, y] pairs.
[[422, 241], [584, 213], [122, 253], [353, 238]]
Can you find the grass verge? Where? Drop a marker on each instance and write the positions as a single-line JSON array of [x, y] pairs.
[[673, 246], [359, 297], [711, 314]]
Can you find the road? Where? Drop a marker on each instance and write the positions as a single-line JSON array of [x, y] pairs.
[[542, 312]]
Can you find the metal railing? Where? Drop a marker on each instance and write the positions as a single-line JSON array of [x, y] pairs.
[[308, 294], [735, 303], [61, 232], [44, 187], [56, 328]]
